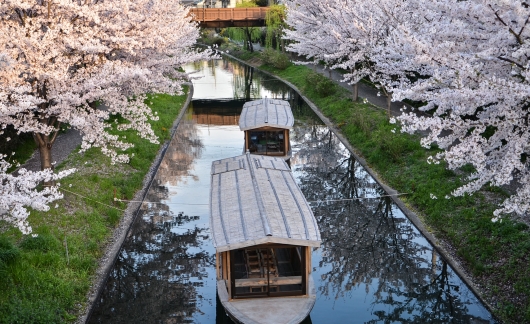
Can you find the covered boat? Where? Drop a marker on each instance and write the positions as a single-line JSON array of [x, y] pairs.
[[266, 123], [263, 231]]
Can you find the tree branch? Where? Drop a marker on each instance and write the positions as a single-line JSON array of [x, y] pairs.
[[510, 61], [517, 37]]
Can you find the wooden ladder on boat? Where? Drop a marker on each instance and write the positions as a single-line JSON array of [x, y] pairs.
[[258, 262]]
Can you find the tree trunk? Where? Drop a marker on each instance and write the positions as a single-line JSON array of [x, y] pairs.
[[45, 156], [248, 36], [355, 93], [45, 144], [388, 102], [433, 265]]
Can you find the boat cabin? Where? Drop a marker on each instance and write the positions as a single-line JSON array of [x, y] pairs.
[[266, 123], [263, 231]]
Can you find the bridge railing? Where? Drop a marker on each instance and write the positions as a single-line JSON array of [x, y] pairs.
[[228, 14]]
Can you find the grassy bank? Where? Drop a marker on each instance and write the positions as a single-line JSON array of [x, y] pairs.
[[495, 254], [45, 279]]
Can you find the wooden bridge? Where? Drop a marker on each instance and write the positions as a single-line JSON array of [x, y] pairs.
[[229, 17]]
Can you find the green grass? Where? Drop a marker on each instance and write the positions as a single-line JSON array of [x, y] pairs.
[[45, 279], [497, 254]]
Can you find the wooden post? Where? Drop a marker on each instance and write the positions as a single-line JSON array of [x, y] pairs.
[[286, 141], [223, 270], [229, 274], [247, 142], [388, 102], [308, 268]]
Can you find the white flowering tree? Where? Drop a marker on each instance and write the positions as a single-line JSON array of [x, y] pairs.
[[346, 35], [20, 192], [475, 54], [79, 62], [467, 60]]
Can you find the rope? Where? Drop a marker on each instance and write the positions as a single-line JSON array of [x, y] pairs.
[[92, 199], [157, 202], [358, 198], [313, 201], [187, 204]]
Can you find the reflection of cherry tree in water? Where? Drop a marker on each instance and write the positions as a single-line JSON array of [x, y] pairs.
[[363, 243], [157, 273], [438, 301], [162, 262], [177, 164], [318, 149]]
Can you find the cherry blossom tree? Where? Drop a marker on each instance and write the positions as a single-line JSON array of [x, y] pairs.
[[475, 54], [79, 62], [466, 60], [20, 192], [345, 34]]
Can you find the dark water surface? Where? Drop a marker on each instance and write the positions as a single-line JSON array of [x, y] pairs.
[[373, 266]]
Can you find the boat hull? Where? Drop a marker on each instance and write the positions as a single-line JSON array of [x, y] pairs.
[[268, 310]]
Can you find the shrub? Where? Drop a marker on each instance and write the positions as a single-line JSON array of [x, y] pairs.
[[277, 59], [8, 252], [320, 84], [209, 37]]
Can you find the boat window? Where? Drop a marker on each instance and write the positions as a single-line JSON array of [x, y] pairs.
[[268, 271], [269, 142]]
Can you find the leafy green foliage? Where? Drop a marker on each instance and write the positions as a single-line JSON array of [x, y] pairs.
[[246, 35], [40, 243], [246, 4], [209, 37], [320, 84], [261, 3], [277, 59], [275, 22], [8, 253]]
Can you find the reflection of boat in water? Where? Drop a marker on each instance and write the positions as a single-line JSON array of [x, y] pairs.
[[263, 230], [266, 123]]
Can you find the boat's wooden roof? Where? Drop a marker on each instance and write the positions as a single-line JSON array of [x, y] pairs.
[[254, 199], [266, 112]]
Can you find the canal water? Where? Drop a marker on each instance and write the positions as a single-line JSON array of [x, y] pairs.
[[373, 265]]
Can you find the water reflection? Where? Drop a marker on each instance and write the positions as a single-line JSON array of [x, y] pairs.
[[368, 247], [373, 265], [162, 262]]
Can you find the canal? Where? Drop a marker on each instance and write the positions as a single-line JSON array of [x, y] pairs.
[[373, 265]]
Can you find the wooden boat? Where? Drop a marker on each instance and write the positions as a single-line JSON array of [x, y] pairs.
[[263, 231], [266, 123]]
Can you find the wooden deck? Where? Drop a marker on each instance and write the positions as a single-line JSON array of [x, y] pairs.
[[229, 17]]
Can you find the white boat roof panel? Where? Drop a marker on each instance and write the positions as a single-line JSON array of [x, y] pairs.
[[254, 199], [266, 112]]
